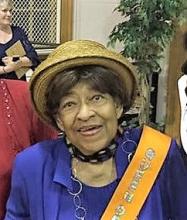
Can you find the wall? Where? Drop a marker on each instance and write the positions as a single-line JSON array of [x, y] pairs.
[[94, 19]]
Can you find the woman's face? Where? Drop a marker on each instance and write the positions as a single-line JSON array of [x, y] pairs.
[[5, 13], [89, 118]]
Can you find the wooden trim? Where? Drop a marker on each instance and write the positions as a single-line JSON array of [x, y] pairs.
[[66, 20], [176, 59]]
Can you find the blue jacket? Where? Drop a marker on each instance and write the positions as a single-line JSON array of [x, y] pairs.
[[41, 183]]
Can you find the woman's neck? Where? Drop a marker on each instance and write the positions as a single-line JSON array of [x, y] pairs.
[[5, 33], [96, 175], [5, 28]]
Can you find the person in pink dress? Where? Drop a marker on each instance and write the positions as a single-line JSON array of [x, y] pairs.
[[19, 127]]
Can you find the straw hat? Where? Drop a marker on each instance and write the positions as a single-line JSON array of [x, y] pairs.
[[78, 53]]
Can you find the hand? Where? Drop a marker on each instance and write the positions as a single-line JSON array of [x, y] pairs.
[[8, 60], [12, 66]]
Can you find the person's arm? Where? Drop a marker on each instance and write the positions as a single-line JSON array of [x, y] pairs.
[[2, 70], [11, 65], [182, 85], [30, 51]]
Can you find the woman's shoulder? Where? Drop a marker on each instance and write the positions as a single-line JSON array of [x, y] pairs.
[[18, 31], [135, 134], [16, 28], [38, 159], [37, 153], [18, 89]]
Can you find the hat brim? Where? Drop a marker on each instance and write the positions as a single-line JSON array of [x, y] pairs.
[[52, 66]]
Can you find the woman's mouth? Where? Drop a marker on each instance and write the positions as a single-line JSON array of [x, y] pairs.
[[89, 130]]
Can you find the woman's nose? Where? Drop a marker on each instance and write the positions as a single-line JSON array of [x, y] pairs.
[[9, 13], [85, 112]]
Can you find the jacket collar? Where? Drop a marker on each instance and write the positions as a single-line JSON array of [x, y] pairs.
[[62, 173]]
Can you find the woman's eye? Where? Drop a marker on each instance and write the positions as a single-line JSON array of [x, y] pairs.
[[97, 98], [68, 105], [7, 10]]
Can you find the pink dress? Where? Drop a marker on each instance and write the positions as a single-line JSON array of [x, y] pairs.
[[19, 128]]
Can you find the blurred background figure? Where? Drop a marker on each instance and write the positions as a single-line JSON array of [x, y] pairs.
[[182, 88], [9, 35], [19, 128]]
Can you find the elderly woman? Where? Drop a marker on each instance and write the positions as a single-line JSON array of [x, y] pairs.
[[96, 170], [14, 67]]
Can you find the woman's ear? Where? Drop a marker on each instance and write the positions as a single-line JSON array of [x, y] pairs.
[[119, 110], [59, 123]]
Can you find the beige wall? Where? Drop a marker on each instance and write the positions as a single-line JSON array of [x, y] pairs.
[[94, 19]]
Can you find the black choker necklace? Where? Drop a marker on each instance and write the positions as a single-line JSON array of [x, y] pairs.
[[98, 157]]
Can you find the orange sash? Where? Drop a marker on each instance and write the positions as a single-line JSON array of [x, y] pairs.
[[140, 176]]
